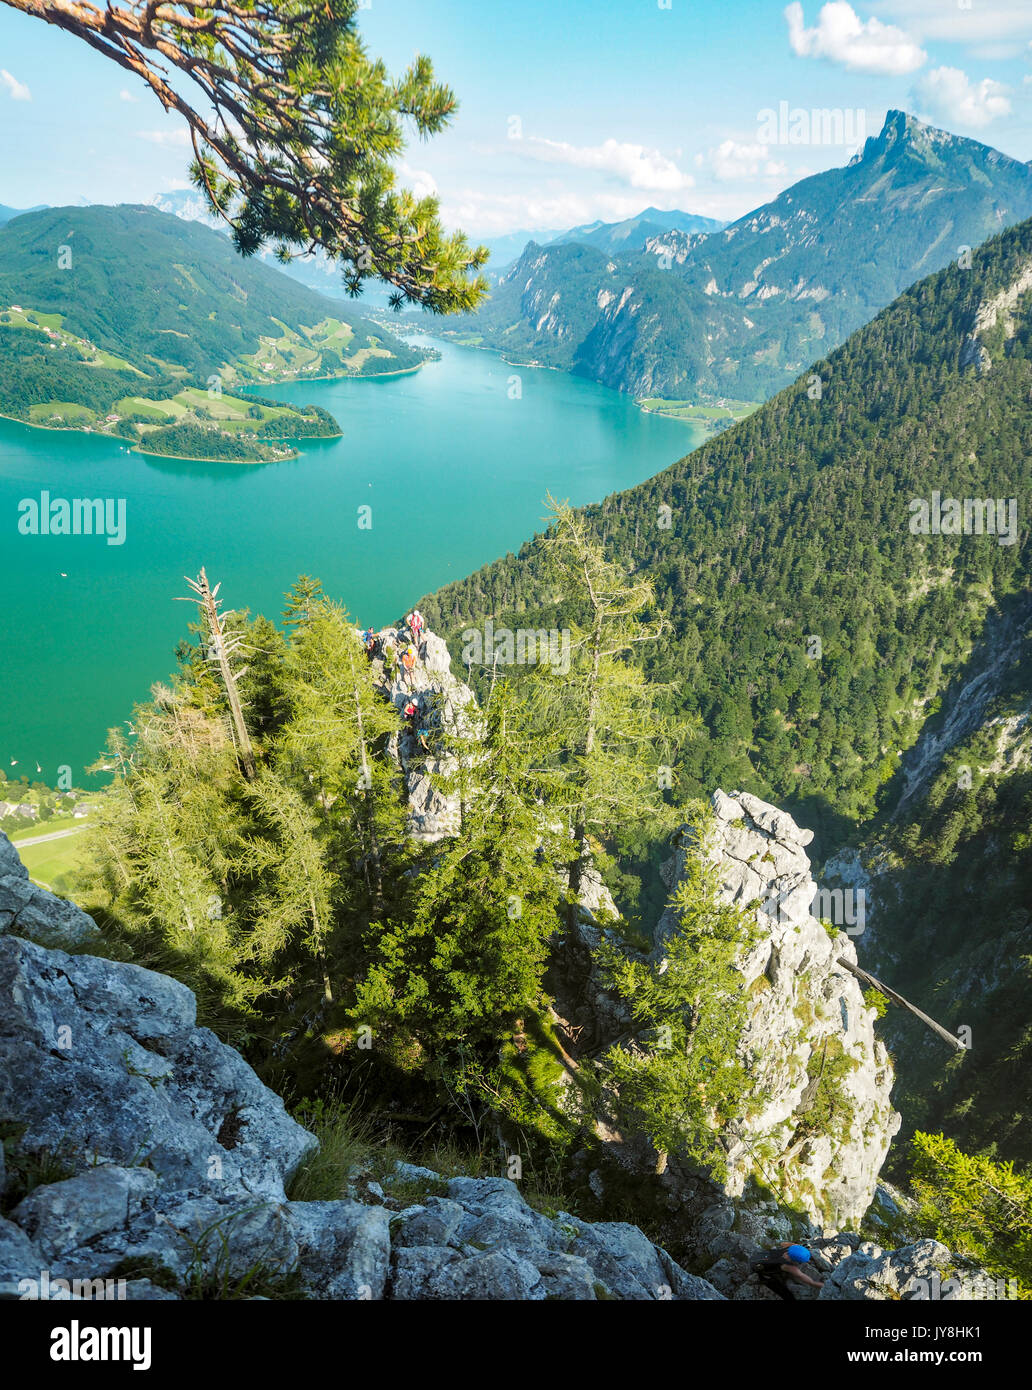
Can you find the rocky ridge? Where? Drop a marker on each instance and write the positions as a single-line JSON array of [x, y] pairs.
[[447, 708]]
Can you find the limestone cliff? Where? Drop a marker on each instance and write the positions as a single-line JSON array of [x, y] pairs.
[[809, 1043], [446, 708]]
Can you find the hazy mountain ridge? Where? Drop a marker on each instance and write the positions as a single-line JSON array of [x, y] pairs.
[[741, 311]]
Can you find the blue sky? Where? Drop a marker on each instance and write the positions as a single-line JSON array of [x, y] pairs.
[[570, 111]]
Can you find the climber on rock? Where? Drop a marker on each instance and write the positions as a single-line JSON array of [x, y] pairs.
[[370, 639], [775, 1268], [416, 624], [408, 658]]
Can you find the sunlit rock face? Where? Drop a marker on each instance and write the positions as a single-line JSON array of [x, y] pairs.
[[810, 1037]]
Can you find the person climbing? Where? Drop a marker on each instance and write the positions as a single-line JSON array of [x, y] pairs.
[[370, 639], [424, 739], [416, 624], [408, 658], [774, 1268], [411, 710]]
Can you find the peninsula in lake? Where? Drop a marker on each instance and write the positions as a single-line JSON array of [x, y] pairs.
[[130, 322]]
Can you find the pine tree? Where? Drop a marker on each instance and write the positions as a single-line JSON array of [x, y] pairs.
[[295, 132]]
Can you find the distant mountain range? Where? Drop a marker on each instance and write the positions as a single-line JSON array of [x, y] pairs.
[[121, 318], [321, 274], [7, 213], [611, 237], [740, 311], [630, 235]]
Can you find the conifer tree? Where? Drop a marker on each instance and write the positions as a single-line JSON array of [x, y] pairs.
[[466, 963], [616, 746], [291, 906], [295, 131], [681, 1079]]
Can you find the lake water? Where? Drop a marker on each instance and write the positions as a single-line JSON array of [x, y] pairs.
[[454, 468]]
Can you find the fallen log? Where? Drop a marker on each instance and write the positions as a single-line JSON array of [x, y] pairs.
[[863, 975]]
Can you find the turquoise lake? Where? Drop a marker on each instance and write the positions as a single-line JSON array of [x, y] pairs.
[[454, 469]]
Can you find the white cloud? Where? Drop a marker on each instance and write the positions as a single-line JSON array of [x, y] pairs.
[[953, 95], [417, 181], [734, 160], [493, 214], [179, 138], [842, 37], [633, 164], [16, 90], [980, 22], [126, 95]]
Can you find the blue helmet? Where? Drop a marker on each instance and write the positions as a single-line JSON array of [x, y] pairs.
[[798, 1253]]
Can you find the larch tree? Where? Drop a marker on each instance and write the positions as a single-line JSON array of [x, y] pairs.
[[614, 762], [680, 1080]]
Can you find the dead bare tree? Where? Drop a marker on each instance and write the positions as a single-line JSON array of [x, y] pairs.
[[222, 645], [869, 979]]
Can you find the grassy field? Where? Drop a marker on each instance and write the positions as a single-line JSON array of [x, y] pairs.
[[91, 356], [232, 412], [66, 411], [363, 355], [321, 347], [692, 410], [55, 865], [46, 827]]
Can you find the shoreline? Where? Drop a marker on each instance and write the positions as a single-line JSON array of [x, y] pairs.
[[134, 448], [697, 422], [334, 376], [509, 361], [190, 458], [150, 453], [251, 385]]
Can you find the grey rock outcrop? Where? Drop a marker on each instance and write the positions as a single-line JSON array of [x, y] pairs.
[[447, 708], [31, 911], [924, 1271], [154, 1162], [104, 1060], [809, 1035], [483, 1241]]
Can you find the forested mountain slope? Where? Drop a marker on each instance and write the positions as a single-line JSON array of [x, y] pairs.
[[950, 881], [796, 526], [160, 291], [739, 312]]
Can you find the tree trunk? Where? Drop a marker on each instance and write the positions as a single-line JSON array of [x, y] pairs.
[[943, 1033], [580, 827]]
